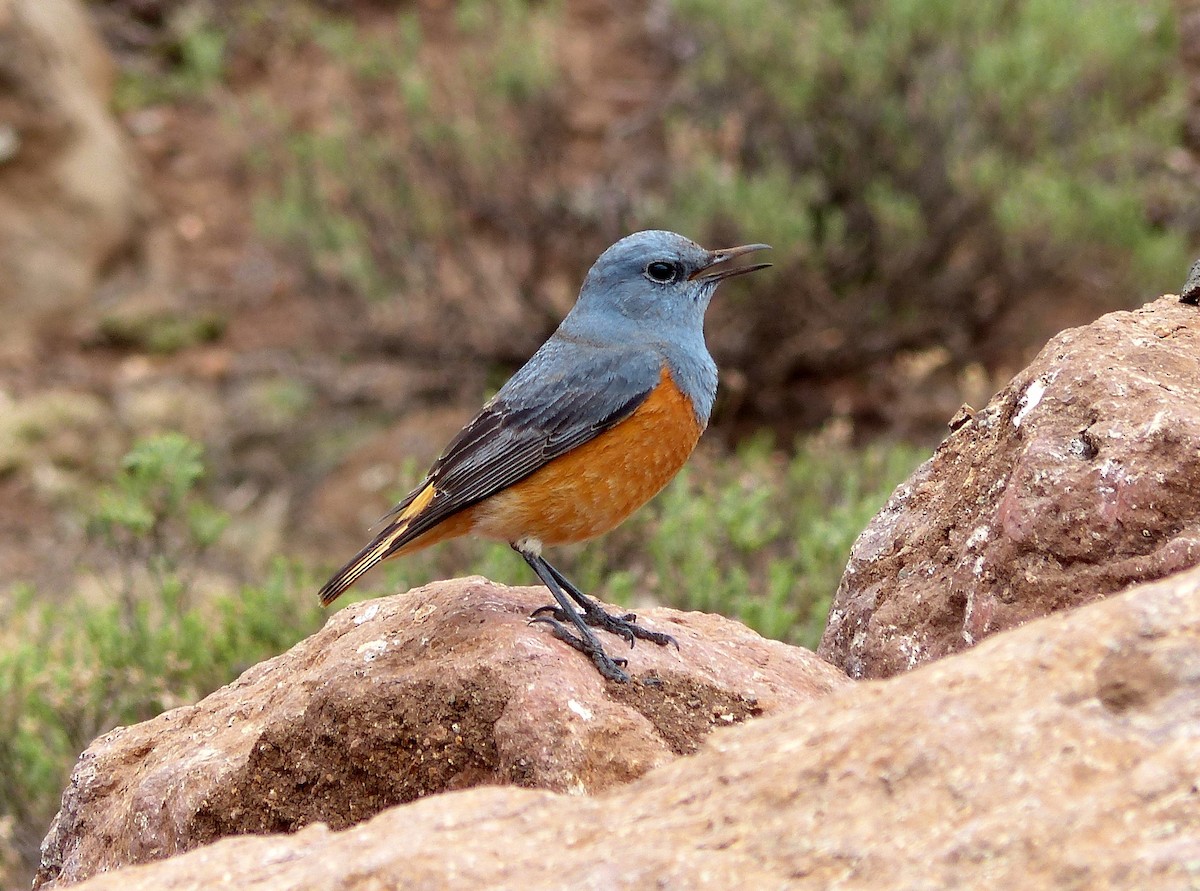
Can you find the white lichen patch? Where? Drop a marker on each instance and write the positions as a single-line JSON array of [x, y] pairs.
[[367, 614], [580, 709], [1112, 474], [912, 649], [1029, 400], [1161, 421], [372, 649], [978, 537]]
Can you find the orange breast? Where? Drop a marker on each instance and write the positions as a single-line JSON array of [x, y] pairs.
[[593, 488]]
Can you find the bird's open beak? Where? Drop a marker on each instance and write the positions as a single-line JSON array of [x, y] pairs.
[[725, 254]]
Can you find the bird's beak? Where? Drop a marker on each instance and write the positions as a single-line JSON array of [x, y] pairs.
[[725, 254]]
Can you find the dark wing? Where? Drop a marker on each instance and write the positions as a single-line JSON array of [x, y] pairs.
[[567, 394], [564, 396]]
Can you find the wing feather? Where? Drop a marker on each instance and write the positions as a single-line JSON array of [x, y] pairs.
[[566, 395]]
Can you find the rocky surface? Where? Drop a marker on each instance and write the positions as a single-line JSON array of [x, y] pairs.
[[1060, 755], [1079, 479], [69, 189], [442, 688]]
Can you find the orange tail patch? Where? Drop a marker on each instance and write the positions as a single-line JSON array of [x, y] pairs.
[[388, 542]]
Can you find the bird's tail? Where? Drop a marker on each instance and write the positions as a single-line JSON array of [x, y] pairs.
[[390, 539]]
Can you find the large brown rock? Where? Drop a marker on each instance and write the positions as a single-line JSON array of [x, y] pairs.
[[1079, 479], [442, 688], [69, 196], [1062, 755]]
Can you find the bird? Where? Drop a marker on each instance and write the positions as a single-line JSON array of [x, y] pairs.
[[597, 422]]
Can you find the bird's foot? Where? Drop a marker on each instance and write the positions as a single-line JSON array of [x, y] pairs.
[[623, 626], [609, 667]]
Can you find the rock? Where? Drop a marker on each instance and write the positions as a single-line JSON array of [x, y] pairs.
[[1061, 755], [443, 688], [1077, 480], [69, 199], [1190, 292]]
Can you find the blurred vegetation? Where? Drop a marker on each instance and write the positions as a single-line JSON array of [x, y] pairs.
[[151, 520], [886, 128], [761, 536], [162, 333], [432, 145], [192, 53], [933, 175], [76, 666], [929, 167], [925, 171]]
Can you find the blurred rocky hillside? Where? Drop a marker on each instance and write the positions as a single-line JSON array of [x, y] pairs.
[[313, 235]]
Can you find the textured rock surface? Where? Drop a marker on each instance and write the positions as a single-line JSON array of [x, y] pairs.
[[442, 688], [1079, 479], [68, 182], [1061, 755]]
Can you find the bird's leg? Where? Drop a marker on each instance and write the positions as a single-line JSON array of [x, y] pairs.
[[586, 642], [625, 625]]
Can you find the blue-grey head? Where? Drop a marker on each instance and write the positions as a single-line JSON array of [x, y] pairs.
[[647, 295], [659, 281]]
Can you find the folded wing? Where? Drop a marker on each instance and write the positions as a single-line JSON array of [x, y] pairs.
[[565, 396]]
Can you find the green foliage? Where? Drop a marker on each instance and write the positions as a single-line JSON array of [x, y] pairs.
[[193, 62], [398, 167], [162, 333], [519, 64], [329, 190], [766, 539], [152, 518], [74, 667], [1049, 122]]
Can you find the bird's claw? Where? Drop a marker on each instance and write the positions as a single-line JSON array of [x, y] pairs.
[[609, 667], [624, 625]]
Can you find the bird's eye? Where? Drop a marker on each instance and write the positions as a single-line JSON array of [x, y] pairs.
[[662, 272]]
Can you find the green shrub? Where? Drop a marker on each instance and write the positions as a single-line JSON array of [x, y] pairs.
[[153, 522], [925, 171], [1049, 122], [163, 333], [413, 152], [188, 62], [72, 670], [75, 666]]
